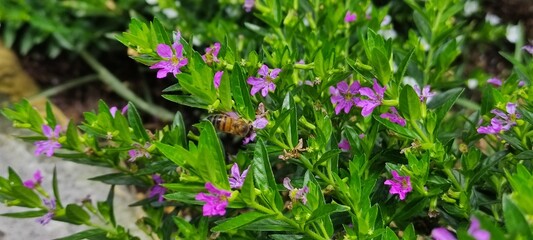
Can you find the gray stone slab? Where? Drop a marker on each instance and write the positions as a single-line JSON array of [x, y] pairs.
[[73, 185]]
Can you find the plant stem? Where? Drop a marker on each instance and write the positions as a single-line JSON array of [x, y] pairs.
[[68, 85], [114, 83]]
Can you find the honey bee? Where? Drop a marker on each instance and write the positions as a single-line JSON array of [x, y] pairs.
[[231, 125]]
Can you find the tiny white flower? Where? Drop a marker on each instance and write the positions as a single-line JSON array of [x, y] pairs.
[[151, 2], [471, 7], [513, 33], [472, 83], [492, 19], [170, 12]]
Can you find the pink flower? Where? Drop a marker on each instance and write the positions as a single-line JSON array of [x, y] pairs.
[[172, 60], [394, 117], [442, 234], [47, 147], [495, 81], [217, 79], [474, 231], [139, 151], [528, 48], [260, 122], [51, 205], [236, 180], [248, 5], [344, 145], [157, 189], [265, 82], [215, 202], [374, 98], [424, 94], [501, 122], [114, 110], [350, 17], [36, 181], [211, 54], [296, 193], [400, 185], [343, 96]]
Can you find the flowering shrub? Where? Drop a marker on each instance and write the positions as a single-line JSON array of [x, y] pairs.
[[347, 118]]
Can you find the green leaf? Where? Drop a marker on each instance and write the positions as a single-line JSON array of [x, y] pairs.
[[291, 130], [403, 66], [73, 137], [179, 126], [380, 63], [525, 155], [268, 224], [410, 103], [50, 118], [176, 154], [136, 123], [326, 210], [224, 93], [87, 234], [443, 102], [75, 214], [515, 221], [27, 196], [264, 178], [109, 202], [119, 179], [248, 188], [121, 124], [26, 214], [212, 166], [389, 234], [404, 132], [56, 189], [241, 93], [239, 221], [187, 100], [409, 232], [13, 177]]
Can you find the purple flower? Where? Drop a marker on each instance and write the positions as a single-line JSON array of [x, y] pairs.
[[139, 151], [157, 189], [501, 122], [260, 122], [47, 147], [265, 82], [114, 109], [211, 54], [248, 5], [474, 231], [350, 17], [172, 60], [343, 96], [250, 138], [400, 185], [495, 81], [442, 234], [375, 97], [51, 205], [528, 48], [36, 181], [344, 145], [217, 78], [424, 94], [296, 193], [237, 179], [215, 202], [394, 117]]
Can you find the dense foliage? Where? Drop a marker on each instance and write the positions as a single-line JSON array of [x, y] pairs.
[[350, 129]]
